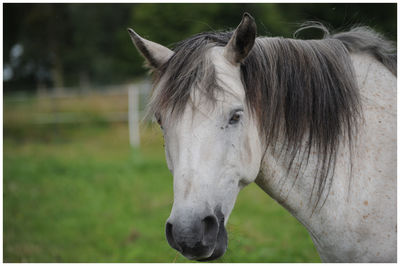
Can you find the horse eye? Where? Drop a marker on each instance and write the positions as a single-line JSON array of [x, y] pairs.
[[235, 118]]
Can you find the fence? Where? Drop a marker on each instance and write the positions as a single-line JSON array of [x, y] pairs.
[[119, 103]]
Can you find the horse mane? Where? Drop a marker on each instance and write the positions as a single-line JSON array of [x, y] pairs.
[[301, 91], [364, 39]]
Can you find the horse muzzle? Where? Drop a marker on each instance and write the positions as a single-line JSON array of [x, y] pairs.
[[198, 239]]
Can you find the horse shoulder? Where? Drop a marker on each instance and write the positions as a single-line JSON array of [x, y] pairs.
[[372, 203]]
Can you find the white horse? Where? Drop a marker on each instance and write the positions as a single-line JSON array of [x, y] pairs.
[[312, 122]]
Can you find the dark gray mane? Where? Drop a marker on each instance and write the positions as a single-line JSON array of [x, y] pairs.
[[302, 90]]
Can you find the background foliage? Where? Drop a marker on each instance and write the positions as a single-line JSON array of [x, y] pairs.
[[68, 45]]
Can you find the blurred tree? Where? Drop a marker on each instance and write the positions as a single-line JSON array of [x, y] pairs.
[[56, 45], [64, 44], [40, 57], [96, 41]]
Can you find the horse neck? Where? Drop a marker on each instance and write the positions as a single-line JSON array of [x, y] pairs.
[[370, 188], [295, 189], [292, 190]]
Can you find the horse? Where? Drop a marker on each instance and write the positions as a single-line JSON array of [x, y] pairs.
[[311, 122]]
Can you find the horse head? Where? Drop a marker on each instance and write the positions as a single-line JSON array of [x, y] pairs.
[[212, 142]]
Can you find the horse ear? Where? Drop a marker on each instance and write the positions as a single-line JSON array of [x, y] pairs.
[[242, 40], [154, 53]]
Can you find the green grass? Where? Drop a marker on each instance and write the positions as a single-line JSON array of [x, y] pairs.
[[80, 194]]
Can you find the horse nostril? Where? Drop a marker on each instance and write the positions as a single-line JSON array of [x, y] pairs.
[[210, 226], [170, 236]]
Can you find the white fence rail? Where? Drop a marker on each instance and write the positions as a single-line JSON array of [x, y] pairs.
[[135, 95]]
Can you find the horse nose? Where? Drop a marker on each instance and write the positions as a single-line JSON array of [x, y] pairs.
[[170, 237], [210, 225], [196, 240]]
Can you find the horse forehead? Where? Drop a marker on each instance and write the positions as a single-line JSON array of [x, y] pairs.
[[228, 75], [231, 95]]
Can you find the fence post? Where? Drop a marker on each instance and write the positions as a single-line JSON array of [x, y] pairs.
[[133, 116]]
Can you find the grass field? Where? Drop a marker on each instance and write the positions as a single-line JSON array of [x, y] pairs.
[[78, 193]]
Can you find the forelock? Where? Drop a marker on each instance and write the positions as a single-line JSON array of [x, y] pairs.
[[189, 68]]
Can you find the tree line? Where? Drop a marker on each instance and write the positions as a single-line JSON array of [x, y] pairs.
[[76, 45]]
